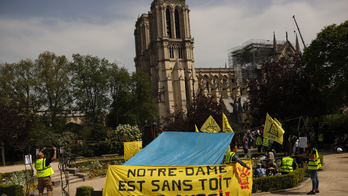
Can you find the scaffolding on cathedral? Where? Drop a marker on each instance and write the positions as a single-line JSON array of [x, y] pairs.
[[247, 59]]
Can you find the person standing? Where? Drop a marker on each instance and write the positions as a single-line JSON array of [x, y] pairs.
[[245, 145], [44, 171], [320, 140], [286, 148], [265, 144], [313, 165], [259, 143], [250, 140], [232, 157]]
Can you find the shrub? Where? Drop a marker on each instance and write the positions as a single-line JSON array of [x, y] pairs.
[[123, 133], [84, 191], [13, 190], [279, 181], [113, 161]]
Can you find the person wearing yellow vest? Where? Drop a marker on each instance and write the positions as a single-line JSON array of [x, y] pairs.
[[44, 172], [232, 157], [265, 143], [259, 143], [313, 165], [320, 140], [288, 165]]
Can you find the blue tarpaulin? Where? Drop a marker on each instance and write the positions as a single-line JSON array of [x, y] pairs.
[[184, 148]]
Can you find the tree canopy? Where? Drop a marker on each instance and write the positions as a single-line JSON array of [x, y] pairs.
[[14, 128], [197, 114], [133, 102], [91, 87], [54, 86], [326, 59], [17, 82], [284, 91]]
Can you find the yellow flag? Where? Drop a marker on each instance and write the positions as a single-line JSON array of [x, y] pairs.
[[273, 130], [131, 148], [225, 125], [281, 129], [196, 129], [210, 126]]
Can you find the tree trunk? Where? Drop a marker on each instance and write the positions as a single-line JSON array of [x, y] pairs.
[[3, 153]]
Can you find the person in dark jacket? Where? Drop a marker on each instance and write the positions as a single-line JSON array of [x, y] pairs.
[[232, 157]]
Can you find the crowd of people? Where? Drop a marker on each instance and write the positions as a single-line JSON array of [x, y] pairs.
[[254, 139], [295, 155]]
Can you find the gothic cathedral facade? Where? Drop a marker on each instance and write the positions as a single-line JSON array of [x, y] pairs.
[[164, 50]]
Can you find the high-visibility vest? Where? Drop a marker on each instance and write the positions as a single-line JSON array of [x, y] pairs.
[[287, 164], [229, 157], [258, 141], [265, 141], [314, 164], [41, 169], [320, 137]]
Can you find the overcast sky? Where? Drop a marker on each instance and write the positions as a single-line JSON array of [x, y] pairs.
[[104, 28]]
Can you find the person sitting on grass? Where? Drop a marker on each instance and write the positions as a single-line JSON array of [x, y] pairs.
[[259, 171]]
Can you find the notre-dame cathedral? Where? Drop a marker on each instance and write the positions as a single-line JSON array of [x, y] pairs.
[[164, 50]]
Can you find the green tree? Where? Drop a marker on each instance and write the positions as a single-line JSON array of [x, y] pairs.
[[326, 59], [14, 129], [91, 88], [284, 91], [54, 86], [120, 90], [17, 82], [132, 99]]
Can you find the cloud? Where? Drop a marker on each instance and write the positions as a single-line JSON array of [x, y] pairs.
[[219, 28], [28, 38], [106, 30]]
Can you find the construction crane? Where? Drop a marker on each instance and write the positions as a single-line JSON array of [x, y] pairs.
[[304, 45]]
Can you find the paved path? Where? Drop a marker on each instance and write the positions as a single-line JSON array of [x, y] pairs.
[[333, 179], [11, 168]]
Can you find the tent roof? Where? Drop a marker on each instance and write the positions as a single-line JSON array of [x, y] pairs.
[[184, 148]]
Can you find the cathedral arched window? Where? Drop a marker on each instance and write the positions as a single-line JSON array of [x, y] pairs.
[[180, 51], [177, 24], [169, 30], [171, 51]]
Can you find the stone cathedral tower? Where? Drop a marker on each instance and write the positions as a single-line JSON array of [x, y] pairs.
[[164, 50]]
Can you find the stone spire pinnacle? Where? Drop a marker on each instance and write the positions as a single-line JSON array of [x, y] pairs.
[[275, 49], [297, 45]]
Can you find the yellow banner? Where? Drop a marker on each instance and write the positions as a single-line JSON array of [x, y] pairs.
[[202, 180], [210, 126], [225, 125], [131, 148], [273, 130]]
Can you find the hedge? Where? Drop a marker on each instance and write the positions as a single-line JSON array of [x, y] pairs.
[[13, 190], [272, 183], [8, 174], [86, 163], [84, 191]]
